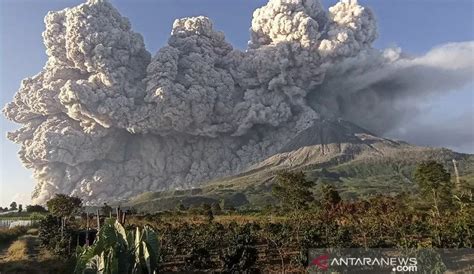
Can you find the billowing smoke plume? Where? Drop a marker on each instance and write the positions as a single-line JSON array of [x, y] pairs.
[[103, 119]]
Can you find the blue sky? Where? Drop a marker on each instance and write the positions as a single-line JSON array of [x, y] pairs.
[[415, 26]]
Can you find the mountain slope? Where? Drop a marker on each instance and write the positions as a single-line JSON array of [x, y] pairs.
[[330, 143], [330, 151]]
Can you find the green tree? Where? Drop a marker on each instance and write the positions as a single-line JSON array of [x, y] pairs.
[[434, 182], [329, 195], [63, 205], [216, 209], [106, 209], [57, 236], [181, 207], [240, 254], [35, 208], [13, 206], [207, 211], [293, 190], [20, 208]]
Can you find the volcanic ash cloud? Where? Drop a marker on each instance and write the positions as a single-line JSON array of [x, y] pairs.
[[103, 119]]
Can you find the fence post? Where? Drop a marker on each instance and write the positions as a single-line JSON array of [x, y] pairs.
[[123, 217], [98, 220], [87, 228]]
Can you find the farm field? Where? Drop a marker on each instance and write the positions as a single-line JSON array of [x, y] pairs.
[[212, 237]]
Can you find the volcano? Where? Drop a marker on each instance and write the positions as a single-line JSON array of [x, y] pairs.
[[335, 151]]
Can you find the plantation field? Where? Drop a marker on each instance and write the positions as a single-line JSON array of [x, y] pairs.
[[219, 235]]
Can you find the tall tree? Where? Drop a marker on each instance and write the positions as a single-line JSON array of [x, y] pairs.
[[63, 205], [329, 195], [106, 209], [434, 182], [13, 206], [293, 190], [20, 208]]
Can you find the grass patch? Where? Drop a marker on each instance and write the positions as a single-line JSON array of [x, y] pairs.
[[7, 234], [32, 231], [17, 251]]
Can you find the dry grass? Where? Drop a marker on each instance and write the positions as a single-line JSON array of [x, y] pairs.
[[196, 219], [45, 255], [32, 231], [243, 219], [22, 258], [7, 234], [17, 251]]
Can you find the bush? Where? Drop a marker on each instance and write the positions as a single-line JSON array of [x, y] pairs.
[[35, 208], [117, 250], [7, 234], [240, 254], [50, 236]]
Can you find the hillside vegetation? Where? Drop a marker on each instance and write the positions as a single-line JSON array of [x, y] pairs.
[[357, 178]]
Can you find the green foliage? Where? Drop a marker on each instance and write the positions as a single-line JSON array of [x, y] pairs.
[[35, 208], [20, 208], [207, 211], [63, 205], [188, 243], [279, 236], [181, 207], [13, 206], [49, 229], [199, 258], [431, 176], [240, 255], [329, 195], [435, 184], [119, 251], [216, 209], [277, 241], [50, 236], [7, 235], [106, 210], [293, 190]]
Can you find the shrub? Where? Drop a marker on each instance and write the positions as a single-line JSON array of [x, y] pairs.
[[241, 254], [7, 234], [117, 250], [50, 236], [35, 208], [17, 251]]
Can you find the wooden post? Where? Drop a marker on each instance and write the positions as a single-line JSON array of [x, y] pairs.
[[87, 228], [118, 214], [123, 218], [98, 220]]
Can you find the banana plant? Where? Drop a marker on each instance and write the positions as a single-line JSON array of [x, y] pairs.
[[118, 251]]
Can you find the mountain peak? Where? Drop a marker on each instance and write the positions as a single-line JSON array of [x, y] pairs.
[[335, 141]]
